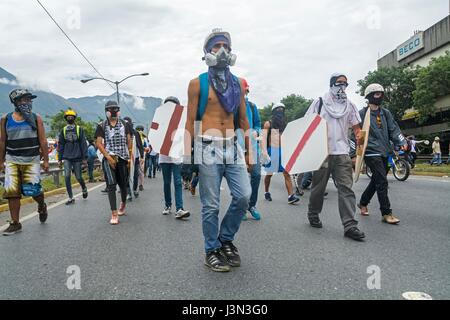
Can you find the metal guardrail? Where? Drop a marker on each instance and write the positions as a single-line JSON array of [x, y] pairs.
[[56, 172]]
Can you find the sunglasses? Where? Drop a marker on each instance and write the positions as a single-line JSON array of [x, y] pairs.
[[342, 83]]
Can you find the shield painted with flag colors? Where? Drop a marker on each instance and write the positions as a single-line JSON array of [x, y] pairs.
[[167, 130], [305, 144]]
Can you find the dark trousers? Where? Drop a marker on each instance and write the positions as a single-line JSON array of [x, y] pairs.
[[76, 166], [152, 165], [378, 183], [114, 177], [90, 163], [255, 180]]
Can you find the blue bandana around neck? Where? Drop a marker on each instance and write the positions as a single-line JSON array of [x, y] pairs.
[[227, 88]]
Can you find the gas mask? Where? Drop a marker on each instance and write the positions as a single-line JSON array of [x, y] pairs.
[[375, 101], [113, 113], [70, 120], [221, 59]]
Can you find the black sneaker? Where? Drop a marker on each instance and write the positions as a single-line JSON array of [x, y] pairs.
[[268, 196], [43, 214], [355, 234], [230, 253], [315, 223], [136, 194], [70, 201], [213, 260], [105, 190], [13, 229], [293, 199], [85, 193], [141, 188]]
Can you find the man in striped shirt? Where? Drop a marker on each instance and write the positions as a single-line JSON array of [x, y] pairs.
[[22, 145]]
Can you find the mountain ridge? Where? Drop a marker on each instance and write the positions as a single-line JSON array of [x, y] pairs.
[[90, 108]]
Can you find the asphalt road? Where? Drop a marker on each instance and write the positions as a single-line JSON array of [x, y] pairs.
[[151, 256]]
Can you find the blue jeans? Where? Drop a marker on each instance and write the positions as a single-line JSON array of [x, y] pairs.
[[210, 175], [152, 165], [194, 181], [167, 170], [255, 180], [76, 165], [436, 159]]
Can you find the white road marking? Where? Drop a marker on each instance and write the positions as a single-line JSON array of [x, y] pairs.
[[35, 213], [416, 296]]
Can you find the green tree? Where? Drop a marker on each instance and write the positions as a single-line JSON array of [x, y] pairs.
[[433, 82], [399, 85], [57, 123], [296, 107]]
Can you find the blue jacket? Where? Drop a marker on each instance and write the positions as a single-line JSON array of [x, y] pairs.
[[92, 152], [254, 120], [380, 138], [253, 115]]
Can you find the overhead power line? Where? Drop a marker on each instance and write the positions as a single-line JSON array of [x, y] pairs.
[[83, 55]]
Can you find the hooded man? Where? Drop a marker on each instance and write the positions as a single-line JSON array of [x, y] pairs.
[[22, 145], [216, 108], [340, 114]]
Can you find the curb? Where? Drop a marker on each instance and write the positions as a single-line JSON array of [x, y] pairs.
[[430, 174]]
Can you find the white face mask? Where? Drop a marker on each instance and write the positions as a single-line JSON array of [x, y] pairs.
[[220, 59]]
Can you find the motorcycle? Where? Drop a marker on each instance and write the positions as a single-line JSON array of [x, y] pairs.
[[399, 166]]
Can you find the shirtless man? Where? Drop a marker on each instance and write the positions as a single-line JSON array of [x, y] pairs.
[[216, 107]]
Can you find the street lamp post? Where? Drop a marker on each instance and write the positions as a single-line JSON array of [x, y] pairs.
[[116, 83]]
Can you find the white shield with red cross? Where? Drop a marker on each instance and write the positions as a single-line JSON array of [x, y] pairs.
[[305, 144], [166, 134]]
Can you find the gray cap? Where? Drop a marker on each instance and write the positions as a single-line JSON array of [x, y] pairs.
[[111, 104]]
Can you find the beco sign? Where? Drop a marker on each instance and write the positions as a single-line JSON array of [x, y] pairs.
[[411, 46]]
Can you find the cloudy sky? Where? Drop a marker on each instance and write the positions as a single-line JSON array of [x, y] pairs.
[[283, 46]]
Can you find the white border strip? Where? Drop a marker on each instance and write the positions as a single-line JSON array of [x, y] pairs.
[[35, 213]]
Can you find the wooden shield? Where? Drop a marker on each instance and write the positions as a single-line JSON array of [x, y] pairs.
[[361, 148]]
